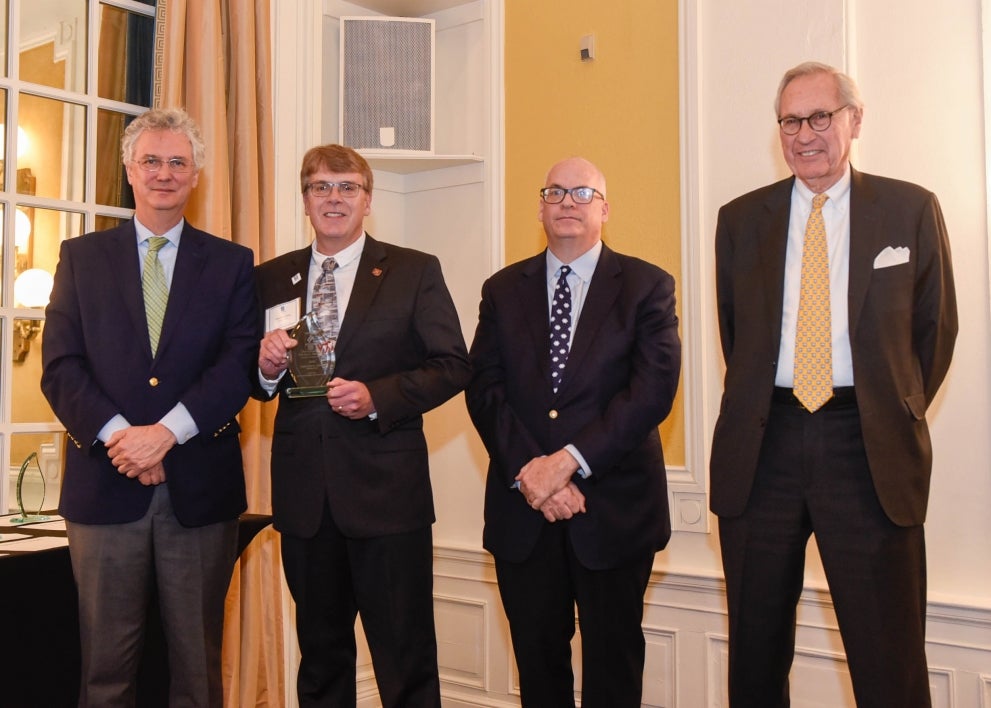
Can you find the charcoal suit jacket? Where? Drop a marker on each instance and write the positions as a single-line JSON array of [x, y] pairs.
[[401, 337], [902, 325]]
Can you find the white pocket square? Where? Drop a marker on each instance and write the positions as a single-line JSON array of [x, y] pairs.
[[891, 257]]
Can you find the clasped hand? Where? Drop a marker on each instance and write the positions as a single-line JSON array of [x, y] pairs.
[[138, 451], [546, 483]]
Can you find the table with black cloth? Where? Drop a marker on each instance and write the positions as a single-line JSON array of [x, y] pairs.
[[39, 645]]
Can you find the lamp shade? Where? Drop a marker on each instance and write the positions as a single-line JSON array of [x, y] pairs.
[[33, 287]]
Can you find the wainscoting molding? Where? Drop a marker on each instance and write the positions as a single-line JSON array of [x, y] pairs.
[[685, 629]]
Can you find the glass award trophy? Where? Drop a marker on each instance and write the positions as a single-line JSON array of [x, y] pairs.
[[30, 493], [312, 360]]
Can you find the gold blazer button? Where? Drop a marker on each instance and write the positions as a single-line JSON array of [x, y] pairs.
[[153, 381], [552, 414]]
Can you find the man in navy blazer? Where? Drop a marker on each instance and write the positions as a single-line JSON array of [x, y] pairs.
[[855, 471], [351, 490], [153, 479], [576, 495]]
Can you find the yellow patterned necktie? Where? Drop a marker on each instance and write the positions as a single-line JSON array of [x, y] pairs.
[[155, 289], [813, 384]]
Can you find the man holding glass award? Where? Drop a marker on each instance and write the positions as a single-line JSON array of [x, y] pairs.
[[362, 338]]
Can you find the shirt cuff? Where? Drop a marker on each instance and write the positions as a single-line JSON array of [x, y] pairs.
[[269, 385], [118, 422], [181, 423], [583, 469]]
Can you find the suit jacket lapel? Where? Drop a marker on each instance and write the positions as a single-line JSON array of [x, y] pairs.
[[123, 258], [189, 265], [536, 320], [296, 278], [599, 300], [372, 269], [865, 244], [772, 234]]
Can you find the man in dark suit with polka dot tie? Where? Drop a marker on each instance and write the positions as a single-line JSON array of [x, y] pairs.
[[575, 363]]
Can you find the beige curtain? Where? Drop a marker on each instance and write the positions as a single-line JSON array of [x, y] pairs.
[[214, 59]]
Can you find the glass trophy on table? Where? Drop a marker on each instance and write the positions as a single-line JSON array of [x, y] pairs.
[[30, 493], [312, 360]]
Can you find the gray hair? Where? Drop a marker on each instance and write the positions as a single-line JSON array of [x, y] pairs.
[[849, 93], [174, 119]]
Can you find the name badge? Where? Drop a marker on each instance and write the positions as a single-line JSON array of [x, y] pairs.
[[283, 316]]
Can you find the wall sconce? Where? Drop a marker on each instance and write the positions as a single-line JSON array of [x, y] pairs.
[[32, 289]]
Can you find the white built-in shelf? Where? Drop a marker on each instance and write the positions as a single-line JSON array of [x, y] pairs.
[[409, 8], [408, 164]]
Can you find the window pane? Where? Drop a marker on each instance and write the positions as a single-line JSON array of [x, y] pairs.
[[27, 404], [3, 37], [43, 475], [3, 133], [53, 35], [112, 188], [125, 65], [56, 146], [49, 228], [3, 238], [107, 222]]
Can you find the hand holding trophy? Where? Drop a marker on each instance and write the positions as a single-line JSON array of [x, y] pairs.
[[312, 360]]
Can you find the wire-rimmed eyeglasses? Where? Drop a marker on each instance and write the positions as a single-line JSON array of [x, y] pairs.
[[819, 121], [580, 195], [178, 165], [348, 190]]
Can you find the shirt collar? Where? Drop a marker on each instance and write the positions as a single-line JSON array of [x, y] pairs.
[[344, 257], [173, 234], [838, 193], [583, 266]]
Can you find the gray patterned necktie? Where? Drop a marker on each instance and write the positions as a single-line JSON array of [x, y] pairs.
[[325, 299], [560, 327], [155, 290]]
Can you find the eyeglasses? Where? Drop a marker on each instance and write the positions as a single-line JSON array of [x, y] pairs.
[[790, 125], [348, 190], [580, 195], [178, 165]]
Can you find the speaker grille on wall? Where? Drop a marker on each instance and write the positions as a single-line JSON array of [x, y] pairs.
[[387, 83]]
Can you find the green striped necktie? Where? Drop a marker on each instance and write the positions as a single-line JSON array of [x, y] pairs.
[[156, 290]]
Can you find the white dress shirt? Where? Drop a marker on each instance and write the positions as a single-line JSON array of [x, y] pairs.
[[836, 216]]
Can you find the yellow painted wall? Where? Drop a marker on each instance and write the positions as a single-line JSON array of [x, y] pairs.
[[620, 111]]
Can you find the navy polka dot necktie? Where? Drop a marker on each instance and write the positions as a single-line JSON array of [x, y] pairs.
[[560, 327]]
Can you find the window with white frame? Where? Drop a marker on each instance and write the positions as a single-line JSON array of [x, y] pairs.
[[73, 73]]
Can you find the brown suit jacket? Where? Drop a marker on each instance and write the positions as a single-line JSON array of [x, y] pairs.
[[903, 323]]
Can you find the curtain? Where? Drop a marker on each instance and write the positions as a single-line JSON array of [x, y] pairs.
[[213, 57]]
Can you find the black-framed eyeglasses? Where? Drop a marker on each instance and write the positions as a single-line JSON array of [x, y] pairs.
[[348, 190], [178, 165], [580, 195], [819, 121]]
